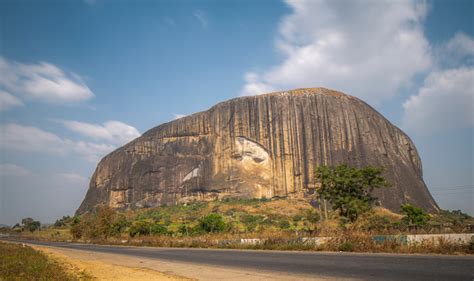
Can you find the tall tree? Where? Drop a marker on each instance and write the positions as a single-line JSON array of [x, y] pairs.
[[348, 189]]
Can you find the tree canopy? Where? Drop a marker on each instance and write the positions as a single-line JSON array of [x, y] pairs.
[[348, 189]]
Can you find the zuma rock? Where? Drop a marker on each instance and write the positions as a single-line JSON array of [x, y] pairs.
[[259, 146]]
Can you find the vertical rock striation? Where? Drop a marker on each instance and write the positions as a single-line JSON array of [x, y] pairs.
[[259, 146]]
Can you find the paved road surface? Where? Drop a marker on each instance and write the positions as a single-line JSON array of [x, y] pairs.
[[311, 264]]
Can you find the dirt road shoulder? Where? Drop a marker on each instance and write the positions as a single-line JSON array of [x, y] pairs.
[[87, 264]]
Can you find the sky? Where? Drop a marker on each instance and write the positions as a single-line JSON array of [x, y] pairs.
[[81, 78]]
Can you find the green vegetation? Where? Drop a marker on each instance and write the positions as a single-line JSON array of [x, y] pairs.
[[212, 223], [277, 223], [414, 215], [233, 217], [30, 224], [18, 262], [348, 189]]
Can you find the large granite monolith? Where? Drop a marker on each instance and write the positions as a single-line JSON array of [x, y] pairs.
[[259, 146]]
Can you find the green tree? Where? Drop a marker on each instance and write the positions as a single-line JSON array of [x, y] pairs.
[[348, 189], [212, 223], [62, 221], [30, 224], [414, 215]]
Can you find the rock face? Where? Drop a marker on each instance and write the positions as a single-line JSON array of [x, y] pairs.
[[259, 146]]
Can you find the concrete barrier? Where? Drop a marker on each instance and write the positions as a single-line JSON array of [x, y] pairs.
[[459, 238]]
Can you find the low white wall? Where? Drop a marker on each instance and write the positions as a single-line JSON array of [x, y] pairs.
[[461, 238]]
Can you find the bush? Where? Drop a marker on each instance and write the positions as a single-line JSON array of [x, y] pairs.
[[414, 215], [284, 224], [76, 228], [103, 224], [140, 227], [297, 218], [212, 223], [158, 229], [346, 247]]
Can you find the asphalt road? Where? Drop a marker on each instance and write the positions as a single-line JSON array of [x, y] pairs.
[[317, 264]]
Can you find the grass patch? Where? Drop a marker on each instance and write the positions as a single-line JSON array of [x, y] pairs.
[[18, 262]]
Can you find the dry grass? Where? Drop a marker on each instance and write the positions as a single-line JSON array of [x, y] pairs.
[[18, 262]]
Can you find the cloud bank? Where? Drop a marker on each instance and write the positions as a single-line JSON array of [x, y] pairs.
[[370, 51], [111, 131]]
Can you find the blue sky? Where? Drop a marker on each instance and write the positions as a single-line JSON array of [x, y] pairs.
[[80, 78]]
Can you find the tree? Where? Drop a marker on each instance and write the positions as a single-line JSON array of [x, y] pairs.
[[348, 189], [62, 221], [414, 215], [30, 224]]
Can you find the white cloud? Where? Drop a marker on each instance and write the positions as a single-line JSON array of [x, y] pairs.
[[254, 86], [92, 151], [112, 131], [445, 101], [178, 116], [459, 50], [201, 17], [8, 101], [43, 82], [12, 170], [28, 139], [369, 51]]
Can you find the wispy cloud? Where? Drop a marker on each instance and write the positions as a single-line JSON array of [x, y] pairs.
[[458, 50], [201, 17], [28, 139], [357, 48], [8, 101], [42, 82], [115, 132]]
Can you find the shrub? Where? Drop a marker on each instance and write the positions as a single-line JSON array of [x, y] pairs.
[[297, 218], [346, 247], [284, 224], [76, 228], [212, 223], [158, 229], [140, 227]]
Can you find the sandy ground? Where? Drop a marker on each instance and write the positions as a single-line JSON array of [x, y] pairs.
[[102, 269], [104, 266]]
